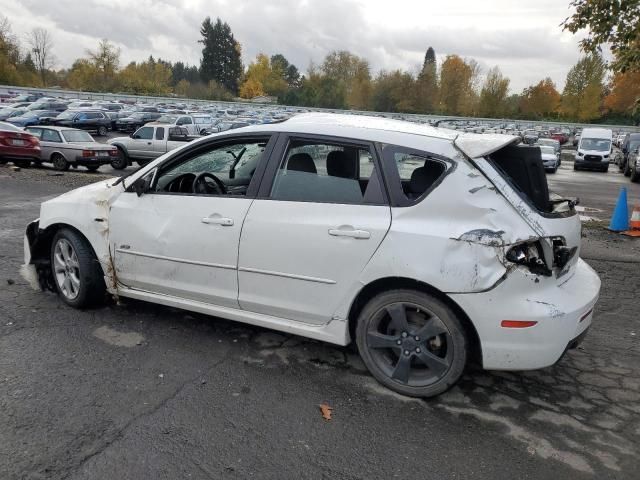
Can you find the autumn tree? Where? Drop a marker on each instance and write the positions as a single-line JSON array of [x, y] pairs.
[[41, 44], [147, 78], [612, 22], [261, 78], [457, 85], [352, 73], [390, 92], [221, 55], [493, 95], [106, 61], [583, 91], [624, 93], [540, 100]]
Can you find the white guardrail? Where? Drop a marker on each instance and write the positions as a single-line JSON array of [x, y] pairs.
[[81, 95]]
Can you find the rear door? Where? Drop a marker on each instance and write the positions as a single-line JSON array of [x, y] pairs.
[[159, 141], [320, 215]]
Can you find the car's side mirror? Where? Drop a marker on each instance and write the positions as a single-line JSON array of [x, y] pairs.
[[140, 186]]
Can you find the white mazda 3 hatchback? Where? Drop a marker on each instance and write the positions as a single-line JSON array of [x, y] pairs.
[[426, 247]]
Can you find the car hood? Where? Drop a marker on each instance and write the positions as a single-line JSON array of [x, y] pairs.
[[474, 145], [97, 192]]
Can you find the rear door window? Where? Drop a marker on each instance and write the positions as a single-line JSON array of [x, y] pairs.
[[326, 172], [412, 174]]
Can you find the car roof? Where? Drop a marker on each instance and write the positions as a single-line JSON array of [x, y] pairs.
[[368, 128]]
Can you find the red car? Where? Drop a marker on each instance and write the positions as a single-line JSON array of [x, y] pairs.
[[18, 146], [559, 136]]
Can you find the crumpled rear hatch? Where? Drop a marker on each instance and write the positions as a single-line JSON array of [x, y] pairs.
[[518, 174]]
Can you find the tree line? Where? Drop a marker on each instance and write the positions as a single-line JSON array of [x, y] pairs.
[[343, 80]]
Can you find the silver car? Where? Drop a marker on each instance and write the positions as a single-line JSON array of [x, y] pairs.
[[65, 147]]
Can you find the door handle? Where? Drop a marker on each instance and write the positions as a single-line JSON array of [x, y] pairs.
[[148, 143], [359, 234], [218, 220]]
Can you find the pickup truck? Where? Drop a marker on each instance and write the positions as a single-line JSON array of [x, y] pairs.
[[148, 143], [196, 124]]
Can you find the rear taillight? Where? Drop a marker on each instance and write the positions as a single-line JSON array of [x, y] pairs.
[[87, 153], [529, 254]]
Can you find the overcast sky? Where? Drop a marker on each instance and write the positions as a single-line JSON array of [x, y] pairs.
[[523, 38]]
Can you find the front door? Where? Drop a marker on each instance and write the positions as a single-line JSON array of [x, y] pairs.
[[141, 143], [305, 245], [181, 237]]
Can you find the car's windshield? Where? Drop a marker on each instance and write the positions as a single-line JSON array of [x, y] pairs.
[[597, 144], [137, 115], [77, 136], [634, 145], [66, 115]]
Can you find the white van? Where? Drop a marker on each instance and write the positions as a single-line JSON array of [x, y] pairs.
[[594, 149]]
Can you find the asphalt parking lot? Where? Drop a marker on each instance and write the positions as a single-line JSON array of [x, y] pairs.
[[137, 391]]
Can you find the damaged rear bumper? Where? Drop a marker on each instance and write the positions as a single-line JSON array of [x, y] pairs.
[[562, 309]]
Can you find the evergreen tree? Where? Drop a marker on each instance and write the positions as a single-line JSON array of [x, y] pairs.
[[426, 90], [220, 55]]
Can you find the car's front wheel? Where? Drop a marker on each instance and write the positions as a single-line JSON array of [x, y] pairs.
[[412, 342], [78, 276], [635, 175]]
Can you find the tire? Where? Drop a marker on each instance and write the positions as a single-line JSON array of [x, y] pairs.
[[635, 175], [22, 163], [121, 162], [77, 274], [102, 131], [93, 168], [575, 167], [627, 169], [59, 162], [606, 170], [387, 343]]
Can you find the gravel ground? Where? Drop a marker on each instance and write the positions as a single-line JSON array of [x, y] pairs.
[[137, 391]]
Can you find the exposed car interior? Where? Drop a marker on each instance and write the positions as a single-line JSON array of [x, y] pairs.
[[223, 170]]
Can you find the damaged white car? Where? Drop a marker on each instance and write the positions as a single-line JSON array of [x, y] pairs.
[[427, 247]]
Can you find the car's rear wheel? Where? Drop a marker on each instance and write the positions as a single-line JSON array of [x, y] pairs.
[[121, 161], [59, 162], [102, 130], [77, 274], [412, 342], [627, 169]]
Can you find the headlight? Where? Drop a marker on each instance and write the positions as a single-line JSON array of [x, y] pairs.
[[580, 154]]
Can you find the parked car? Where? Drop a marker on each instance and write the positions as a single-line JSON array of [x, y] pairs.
[[7, 113], [594, 150], [33, 117], [136, 120], [550, 159], [28, 97], [530, 136], [48, 105], [290, 227], [550, 142], [148, 143], [626, 148], [561, 137], [620, 139], [91, 120], [634, 162], [65, 147], [18, 146], [196, 124]]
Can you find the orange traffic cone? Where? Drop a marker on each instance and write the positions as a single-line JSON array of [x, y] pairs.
[[634, 222]]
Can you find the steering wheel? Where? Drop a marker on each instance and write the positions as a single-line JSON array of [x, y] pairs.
[[208, 183]]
